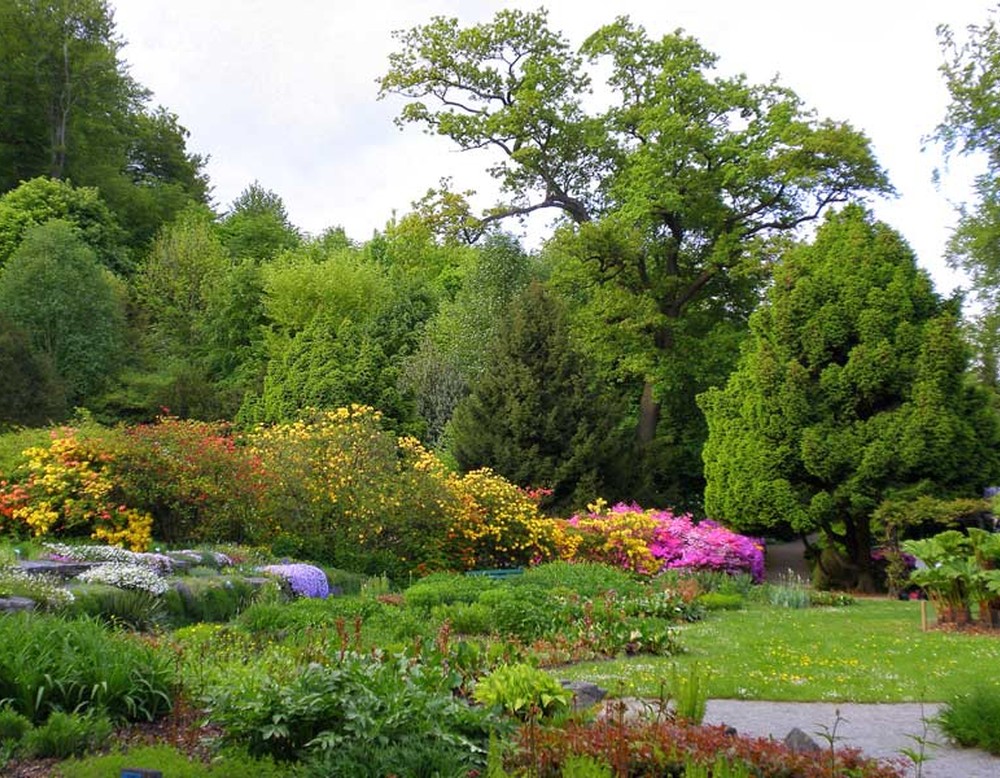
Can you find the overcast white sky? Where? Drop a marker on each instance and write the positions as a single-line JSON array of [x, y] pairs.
[[284, 92]]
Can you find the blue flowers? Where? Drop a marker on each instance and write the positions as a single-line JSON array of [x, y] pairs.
[[304, 580]]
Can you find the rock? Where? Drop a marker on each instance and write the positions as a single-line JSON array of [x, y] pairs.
[[65, 570], [585, 694], [14, 604], [800, 743]]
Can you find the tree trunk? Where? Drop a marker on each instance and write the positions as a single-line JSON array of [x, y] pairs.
[[649, 415]]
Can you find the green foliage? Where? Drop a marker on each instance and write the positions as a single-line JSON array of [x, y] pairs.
[[71, 308], [675, 251], [48, 663], [790, 591], [689, 692], [131, 608], [33, 394], [534, 414], [210, 599], [419, 757], [718, 601], [969, 128], [73, 112], [40, 200], [587, 579], [68, 734], [231, 763], [357, 703], [13, 725], [523, 691], [257, 227], [851, 388], [526, 612], [465, 618], [13, 444], [447, 588], [973, 719]]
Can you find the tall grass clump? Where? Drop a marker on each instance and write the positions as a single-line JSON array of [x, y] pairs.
[[48, 663], [973, 719]]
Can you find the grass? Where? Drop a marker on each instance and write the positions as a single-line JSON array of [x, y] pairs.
[[873, 651]]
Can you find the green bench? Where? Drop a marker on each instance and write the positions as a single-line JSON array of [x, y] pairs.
[[498, 575]]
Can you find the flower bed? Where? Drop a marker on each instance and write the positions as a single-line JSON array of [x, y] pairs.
[[652, 541]]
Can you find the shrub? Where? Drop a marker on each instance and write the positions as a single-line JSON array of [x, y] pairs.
[[523, 691], [44, 590], [13, 725], [68, 489], [465, 618], [525, 612], [717, 601], [973, 719], [303, 580], [193, 479], [176, 764], [412, 756], [789, 592], [133, 608], [445, 588], [125, 576], [651, 541], [359, 703], [68, 734], [210, 599], [587, 579], [50, 663]]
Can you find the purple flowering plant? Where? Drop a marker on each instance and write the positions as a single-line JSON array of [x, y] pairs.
[[304, 580]]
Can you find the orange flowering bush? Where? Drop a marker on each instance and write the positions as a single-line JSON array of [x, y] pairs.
[[193, 478], [68, 489]]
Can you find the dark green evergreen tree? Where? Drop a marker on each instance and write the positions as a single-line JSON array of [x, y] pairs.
[[852, 387], [534, 414]]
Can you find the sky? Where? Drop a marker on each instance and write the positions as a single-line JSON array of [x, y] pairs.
[[285, 93]]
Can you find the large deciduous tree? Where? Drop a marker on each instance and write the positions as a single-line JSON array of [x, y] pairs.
[[852, 387], [71, 110], [971, 126], [677, 189], [71, 308]]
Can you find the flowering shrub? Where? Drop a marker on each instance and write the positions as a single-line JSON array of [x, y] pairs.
[[125, 576], [497, 524], [68, 489], [651, 541], [304, 580], [193, 478]]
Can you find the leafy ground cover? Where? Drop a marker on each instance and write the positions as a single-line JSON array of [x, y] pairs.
[[873, 651]]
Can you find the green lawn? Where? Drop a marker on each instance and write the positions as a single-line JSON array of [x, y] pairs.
[[874, 651]]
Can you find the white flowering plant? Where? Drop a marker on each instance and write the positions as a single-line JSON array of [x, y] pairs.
[[125, 576], [43, 589]]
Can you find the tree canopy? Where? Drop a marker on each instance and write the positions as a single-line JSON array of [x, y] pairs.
[[678, 188], [851, 389]]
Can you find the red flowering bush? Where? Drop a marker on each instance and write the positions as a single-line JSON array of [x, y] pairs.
[[193, 477]]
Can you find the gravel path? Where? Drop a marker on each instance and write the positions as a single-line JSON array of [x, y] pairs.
[[878, 730]]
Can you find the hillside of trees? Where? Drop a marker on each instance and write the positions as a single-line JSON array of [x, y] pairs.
[[709, 244]]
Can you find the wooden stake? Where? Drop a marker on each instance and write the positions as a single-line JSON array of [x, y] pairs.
[[923, 615]]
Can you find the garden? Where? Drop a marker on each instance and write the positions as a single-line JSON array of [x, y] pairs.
[[326, 598]]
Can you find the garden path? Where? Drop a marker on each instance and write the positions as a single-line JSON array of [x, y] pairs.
[[881, 730]]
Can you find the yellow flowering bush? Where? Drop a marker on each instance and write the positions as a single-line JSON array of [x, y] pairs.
[[68, 489], [497, 524], [348, 492]]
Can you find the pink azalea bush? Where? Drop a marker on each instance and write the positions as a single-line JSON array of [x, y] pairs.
[[651, 541]]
